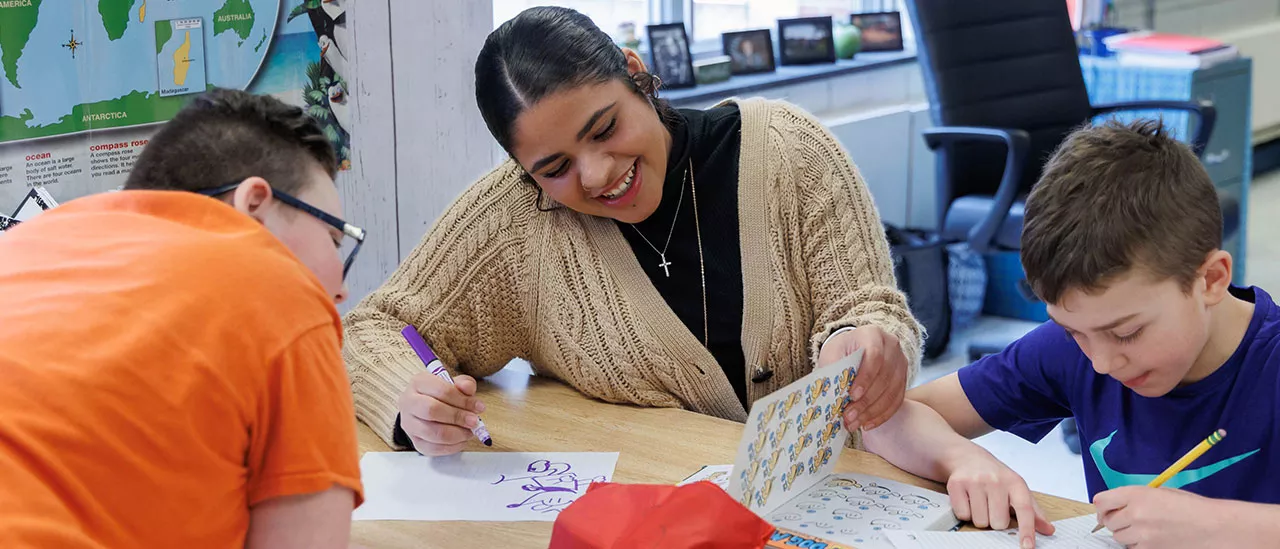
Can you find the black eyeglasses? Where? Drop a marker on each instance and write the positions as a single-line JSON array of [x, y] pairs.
[[356, 233]]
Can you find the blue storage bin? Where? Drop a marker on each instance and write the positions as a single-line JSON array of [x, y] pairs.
[[1007, 294]]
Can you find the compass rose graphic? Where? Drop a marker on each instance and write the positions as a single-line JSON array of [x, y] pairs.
[[73, 44]]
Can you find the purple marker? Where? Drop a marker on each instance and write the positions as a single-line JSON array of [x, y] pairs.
[[433, 363]]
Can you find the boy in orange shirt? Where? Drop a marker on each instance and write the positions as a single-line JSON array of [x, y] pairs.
[[170, 353]]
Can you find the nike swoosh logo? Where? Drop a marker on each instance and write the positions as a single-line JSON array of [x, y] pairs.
[[1116, 479]]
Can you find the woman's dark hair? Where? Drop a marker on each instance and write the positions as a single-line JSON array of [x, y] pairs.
[[544, 50]]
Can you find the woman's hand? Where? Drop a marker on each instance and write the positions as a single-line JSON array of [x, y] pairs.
[[438, 416], [881, 383], [983, 490]]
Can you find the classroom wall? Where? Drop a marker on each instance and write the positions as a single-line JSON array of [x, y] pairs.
[[1198, 17], [368, 190], [421, 139], [442, 143]]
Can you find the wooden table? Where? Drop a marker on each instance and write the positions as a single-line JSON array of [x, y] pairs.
[[655, 445]]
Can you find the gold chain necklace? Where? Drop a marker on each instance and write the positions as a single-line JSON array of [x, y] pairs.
[[702, 268]]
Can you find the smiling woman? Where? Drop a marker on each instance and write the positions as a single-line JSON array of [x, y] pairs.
[[642, 254]]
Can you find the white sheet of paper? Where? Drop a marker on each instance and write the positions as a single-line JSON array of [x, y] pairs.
[[717, 474], [478, 486], [1073, 533], [793, 437], [859, 510]]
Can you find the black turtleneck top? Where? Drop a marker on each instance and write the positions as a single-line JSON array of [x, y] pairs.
[[711, 140]]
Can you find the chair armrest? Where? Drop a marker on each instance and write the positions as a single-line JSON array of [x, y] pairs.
[[1017, 142], [1204, 110]]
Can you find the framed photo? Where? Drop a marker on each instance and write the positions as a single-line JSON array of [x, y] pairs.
[[669, 47], [880, 31], [749, 51], [806, 40]]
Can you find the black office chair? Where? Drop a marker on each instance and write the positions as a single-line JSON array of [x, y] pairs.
[[1005, 87]]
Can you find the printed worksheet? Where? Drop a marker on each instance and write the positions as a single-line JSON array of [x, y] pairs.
[[860, 510]]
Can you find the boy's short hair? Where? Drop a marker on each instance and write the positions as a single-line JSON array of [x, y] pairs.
[[1113, 197], [224, 136]]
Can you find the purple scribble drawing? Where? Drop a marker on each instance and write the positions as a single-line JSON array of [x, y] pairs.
[[553, 485]]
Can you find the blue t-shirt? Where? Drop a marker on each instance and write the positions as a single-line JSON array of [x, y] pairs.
[[1128, 439]]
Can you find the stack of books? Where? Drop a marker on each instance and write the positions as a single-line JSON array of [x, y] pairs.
[[1156, 49]]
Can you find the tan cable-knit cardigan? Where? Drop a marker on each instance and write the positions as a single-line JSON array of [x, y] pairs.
[[496, 279]]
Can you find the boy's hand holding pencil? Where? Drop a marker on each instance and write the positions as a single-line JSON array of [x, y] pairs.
[[1143, 516], [1151, 516]]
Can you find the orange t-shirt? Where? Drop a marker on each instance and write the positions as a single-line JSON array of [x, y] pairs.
[[165, 364]]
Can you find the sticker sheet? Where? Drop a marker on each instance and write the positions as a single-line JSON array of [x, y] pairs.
[[859, 510], [793, 437]]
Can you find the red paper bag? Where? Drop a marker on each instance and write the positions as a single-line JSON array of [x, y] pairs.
[[624, 516]]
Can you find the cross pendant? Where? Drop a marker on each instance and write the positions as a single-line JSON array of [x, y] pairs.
[[664, 265]]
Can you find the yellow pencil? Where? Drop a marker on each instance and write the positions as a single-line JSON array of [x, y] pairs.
[[1181, 464]]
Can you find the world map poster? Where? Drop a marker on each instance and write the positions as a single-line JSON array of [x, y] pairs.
[[84, 84]]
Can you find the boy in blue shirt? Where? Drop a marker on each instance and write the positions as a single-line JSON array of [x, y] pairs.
[[1150, 348]]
